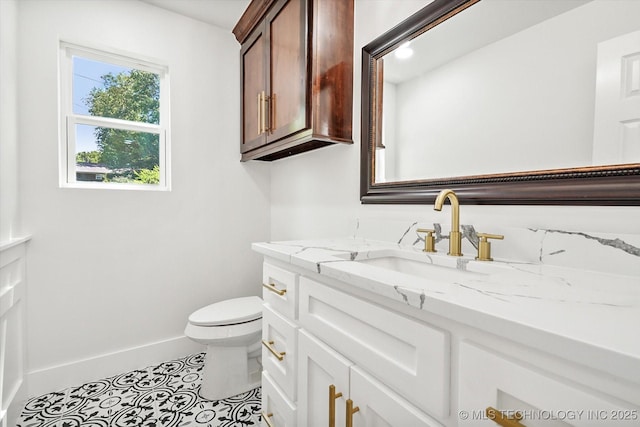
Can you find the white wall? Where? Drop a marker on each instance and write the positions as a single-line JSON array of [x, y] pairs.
[[8, 120], [323, 202], [13, 391], [111, 271]]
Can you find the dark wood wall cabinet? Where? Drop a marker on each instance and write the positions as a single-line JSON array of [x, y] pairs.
[[296, 65]]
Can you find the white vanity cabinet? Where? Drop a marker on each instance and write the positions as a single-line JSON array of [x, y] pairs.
[[409, 356], [279, 346], [515, 389], [336, 392], [348, 342], [339, 354], [391, 367]]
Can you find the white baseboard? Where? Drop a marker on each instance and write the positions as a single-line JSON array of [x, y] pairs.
[[86, 370]]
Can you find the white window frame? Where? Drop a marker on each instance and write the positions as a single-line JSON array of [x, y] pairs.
[[69, 119]]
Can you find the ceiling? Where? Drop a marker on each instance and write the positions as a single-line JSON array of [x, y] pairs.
[[481, 24], [221, 13]]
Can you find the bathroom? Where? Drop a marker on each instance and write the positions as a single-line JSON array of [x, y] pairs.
[[109, 281]]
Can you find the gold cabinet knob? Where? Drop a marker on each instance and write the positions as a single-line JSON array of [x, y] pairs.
[[484, 246], [429, 239]]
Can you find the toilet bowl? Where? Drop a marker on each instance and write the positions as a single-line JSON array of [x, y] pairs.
[[231, 330]]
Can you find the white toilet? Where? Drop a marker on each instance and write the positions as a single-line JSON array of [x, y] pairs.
[[231, 330]]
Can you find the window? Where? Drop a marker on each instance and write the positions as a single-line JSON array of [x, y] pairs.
[[114, 121]]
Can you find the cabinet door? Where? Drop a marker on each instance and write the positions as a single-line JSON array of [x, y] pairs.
[[253, 63], [287, 74], [487, 380], [409, 356], [379, 406], [320, 367]]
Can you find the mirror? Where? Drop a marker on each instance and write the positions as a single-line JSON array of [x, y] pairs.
[[506, 102]]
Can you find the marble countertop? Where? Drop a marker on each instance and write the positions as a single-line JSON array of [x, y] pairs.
[[587, 317]]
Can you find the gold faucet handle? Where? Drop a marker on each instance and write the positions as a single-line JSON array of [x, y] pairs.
[[429, 239], [484, 246]]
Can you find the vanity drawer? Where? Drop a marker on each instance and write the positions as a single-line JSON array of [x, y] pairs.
[[280, 290], [275, 406], [488, 379], [279, 350], [409, 356]]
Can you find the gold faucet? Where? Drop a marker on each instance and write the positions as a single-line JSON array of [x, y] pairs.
[[455, 238]]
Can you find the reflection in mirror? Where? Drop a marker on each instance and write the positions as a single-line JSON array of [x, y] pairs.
[[512, 86], [504, 87]]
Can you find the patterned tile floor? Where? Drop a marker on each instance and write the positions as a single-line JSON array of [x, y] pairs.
[[158, 396]]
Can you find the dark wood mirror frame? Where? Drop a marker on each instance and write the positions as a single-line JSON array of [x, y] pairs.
[[592, 185]]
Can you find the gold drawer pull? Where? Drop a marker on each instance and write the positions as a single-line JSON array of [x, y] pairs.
[[272, 288], [350, 411], [332, 405], [265, 418], [498, 418], [269, 345]]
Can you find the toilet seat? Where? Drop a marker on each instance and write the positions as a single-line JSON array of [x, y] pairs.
[[224, 335], [229, 312]]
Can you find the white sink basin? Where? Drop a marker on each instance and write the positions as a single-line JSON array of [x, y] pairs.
[[434, 266], [417, 268]]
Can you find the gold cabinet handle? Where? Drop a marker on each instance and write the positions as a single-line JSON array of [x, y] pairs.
[[278, 354], [259, 113], [265, 100], [498, 418], [429, 240], [273, 288], [332, 405], [265, 418], [272, 113], [484, 246], [350, 411]]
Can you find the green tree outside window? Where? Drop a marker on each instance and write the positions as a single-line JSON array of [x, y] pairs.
[[132, 96]]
